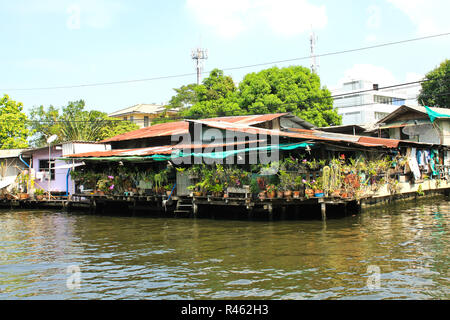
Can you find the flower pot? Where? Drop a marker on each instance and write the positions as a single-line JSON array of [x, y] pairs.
[[23, 196], [271, 194], [309, 193], [288, 194], [168, 192], [297, 194], [280, 194], [39, 197], [197, 194], [319, 195], [262, 195]]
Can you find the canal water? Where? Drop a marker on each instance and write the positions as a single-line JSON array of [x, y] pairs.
[[391, 252]]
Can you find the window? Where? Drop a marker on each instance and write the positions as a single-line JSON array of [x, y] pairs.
[[125, 119], [43, 166], [131, 119], [380, 115], [146, 123]]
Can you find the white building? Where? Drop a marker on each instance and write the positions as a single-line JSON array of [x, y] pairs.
[[358, 103]]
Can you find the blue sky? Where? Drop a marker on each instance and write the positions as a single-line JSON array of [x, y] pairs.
[[50, 43]]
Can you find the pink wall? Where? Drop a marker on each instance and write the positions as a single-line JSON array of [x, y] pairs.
[[59, 184]]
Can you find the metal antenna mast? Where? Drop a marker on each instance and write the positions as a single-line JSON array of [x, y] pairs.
[[313, 41], [199, 55]]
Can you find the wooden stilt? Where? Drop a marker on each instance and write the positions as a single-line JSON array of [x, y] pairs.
[[323, 210]]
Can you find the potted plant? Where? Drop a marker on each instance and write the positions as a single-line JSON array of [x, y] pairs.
[[39, 194], [168, 188], [158, 181], [271, 191], [217, 190], [309, 191], [318, 188], [298, 182]]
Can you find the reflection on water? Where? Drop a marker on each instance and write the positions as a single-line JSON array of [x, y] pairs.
[[158, 258]]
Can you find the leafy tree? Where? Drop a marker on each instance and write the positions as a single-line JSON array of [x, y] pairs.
[[13, 125], [294, 89], [435, 93], [74, 123]]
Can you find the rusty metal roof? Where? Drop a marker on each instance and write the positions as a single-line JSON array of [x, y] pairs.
[[163, 150], [182, 127]]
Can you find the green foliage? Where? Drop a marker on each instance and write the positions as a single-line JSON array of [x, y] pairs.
[[74, 123], [434, 93], [293, 89], [13, 124]]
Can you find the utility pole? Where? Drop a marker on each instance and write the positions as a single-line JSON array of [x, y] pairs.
[[313, 41], [199, 55]]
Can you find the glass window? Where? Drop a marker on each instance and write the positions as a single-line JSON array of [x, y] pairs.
[[146, 122], [43, 166]]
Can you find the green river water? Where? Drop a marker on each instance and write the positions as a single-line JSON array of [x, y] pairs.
[[164, 258]]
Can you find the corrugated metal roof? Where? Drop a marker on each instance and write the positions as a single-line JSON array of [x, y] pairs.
[[164, 150], [11, 153], [390, 143], [182, 127], [157, 130], [248, 120]]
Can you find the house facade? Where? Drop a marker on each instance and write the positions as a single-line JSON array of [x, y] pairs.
[[140, 114], [52, 174]]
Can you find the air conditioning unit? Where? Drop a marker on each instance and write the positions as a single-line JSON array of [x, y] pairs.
[[42, 175]]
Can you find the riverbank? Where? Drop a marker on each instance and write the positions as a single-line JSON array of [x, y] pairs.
[[247, 208]]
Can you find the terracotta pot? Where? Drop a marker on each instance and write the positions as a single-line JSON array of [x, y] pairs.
[[318, 191], [271, 194], [197, 194], [40, 197], [262, 195], [309, 192], [344, 195], [168, 192], [280, 194], [23, 196], [288, 194], [296, 194]]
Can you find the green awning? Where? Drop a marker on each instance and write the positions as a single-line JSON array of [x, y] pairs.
[[433, 114], [181, 154]]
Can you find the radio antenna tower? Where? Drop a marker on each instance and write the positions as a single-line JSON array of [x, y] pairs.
[[199, 55], [313, 41]]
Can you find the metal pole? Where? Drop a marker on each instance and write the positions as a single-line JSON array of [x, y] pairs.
[[49, 171]]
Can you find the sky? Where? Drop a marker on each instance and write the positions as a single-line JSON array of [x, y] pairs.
[[57, 43]]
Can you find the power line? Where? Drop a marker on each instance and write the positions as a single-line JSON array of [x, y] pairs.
[[192, 117], [227, 69]]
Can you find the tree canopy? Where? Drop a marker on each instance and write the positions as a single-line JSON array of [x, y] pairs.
[[13, 124], [293, 89], [74, 123], [435, 93]]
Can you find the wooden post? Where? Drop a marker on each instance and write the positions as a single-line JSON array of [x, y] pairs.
[[323, 209]]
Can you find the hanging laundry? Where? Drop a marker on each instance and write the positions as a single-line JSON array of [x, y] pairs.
[[419, 156], [413, 164]]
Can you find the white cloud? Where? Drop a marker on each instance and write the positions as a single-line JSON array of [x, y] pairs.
[[283, 17], [430, 16], [374, 21], [92, 13]]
